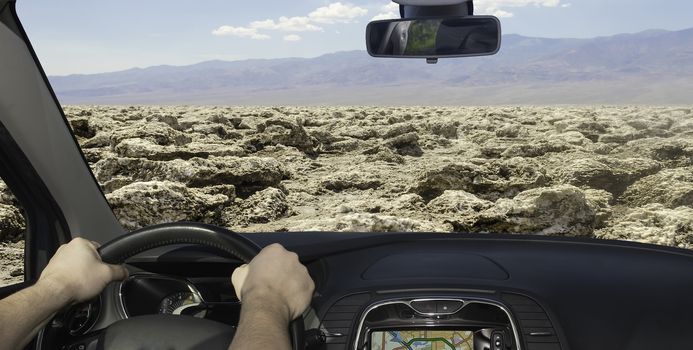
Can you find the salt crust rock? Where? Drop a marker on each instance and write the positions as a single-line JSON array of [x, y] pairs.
[[488, 180], [248, 173], [350, 180], [406, 202], [671, 187], [561, 210], [501, 152], [433, 182], [6, 197], [143, 148], [654, 224], [12, 225], [158, 133], [11, 262], [506, 178], [285, 132], [406, 144], [444, 128], [397, 130], [611, 174], [384, 154], [458, 202], [359, 132], [366, 222], [675, 151], [81, 128], [164, 201], [537, 147], [264, 206], [381, 223]]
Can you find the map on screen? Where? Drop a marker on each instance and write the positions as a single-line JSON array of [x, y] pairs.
[[422, 340]]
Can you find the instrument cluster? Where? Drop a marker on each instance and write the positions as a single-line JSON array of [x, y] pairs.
[[147, 294]]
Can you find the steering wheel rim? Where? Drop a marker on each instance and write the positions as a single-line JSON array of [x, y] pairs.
[[232, 244], [228, 243]]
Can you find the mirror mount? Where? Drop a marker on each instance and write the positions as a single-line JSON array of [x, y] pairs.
[[435, 8], [463, 8]]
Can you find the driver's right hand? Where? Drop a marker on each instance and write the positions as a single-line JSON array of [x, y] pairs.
[[275, 278]]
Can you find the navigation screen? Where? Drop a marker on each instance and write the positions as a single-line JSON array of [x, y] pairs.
[[422, 340]]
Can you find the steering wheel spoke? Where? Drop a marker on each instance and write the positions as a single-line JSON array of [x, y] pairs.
[[87, 342]]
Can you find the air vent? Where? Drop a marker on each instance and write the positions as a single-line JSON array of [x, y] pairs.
[[338, 322], [536, 328]]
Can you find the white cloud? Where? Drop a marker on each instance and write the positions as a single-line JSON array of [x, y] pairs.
[[242, 32], [385, 15], [391, 6], [292, 37], [389, 11], [503, 14], [337, 13], [496, 7], [331, 14], [286, 24]]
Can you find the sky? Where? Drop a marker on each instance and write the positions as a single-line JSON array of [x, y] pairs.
[[88, 36]]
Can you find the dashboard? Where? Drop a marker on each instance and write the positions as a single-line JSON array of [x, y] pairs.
[[428, 291]]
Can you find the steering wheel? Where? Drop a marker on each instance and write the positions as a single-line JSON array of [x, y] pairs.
[[172, 331]]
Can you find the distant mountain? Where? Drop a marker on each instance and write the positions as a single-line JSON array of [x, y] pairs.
[[651, 67]]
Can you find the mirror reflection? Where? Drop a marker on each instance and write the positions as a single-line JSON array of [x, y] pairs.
[[435, 37]]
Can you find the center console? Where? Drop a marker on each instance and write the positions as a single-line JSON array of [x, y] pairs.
[[436, 323]]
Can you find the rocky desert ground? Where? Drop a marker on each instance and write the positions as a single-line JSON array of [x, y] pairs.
[[602, 172]]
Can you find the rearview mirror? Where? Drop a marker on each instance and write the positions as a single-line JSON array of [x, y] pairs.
[[434, 37]]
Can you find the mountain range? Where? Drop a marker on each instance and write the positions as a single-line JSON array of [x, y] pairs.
[[653, 67]]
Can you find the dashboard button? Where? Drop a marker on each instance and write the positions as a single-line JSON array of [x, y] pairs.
[[448, 306], [497, 341], [424, 306]]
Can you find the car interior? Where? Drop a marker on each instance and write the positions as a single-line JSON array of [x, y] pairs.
[[484, 291]]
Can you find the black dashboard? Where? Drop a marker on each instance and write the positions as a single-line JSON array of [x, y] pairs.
[[478, 292]]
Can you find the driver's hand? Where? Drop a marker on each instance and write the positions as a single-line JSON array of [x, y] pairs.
[[275, 278], [77, 268]]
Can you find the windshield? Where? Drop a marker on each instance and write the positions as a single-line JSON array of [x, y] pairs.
[[274, 118]]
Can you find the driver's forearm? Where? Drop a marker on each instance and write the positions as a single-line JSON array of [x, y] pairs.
[[22, 313], [261, 327]]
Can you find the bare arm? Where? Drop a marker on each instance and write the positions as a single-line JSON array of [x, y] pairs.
[[74, 274], [22, 312], [275, 289], [262, 326]]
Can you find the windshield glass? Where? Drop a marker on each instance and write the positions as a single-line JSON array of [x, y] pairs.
[[567, 131]]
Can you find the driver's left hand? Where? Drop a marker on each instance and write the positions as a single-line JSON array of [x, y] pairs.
[[77, 269]]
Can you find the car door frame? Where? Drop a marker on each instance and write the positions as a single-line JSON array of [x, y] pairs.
[[46, 228]]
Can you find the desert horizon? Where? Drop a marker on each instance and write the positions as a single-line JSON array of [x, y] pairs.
[[651, 67]]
